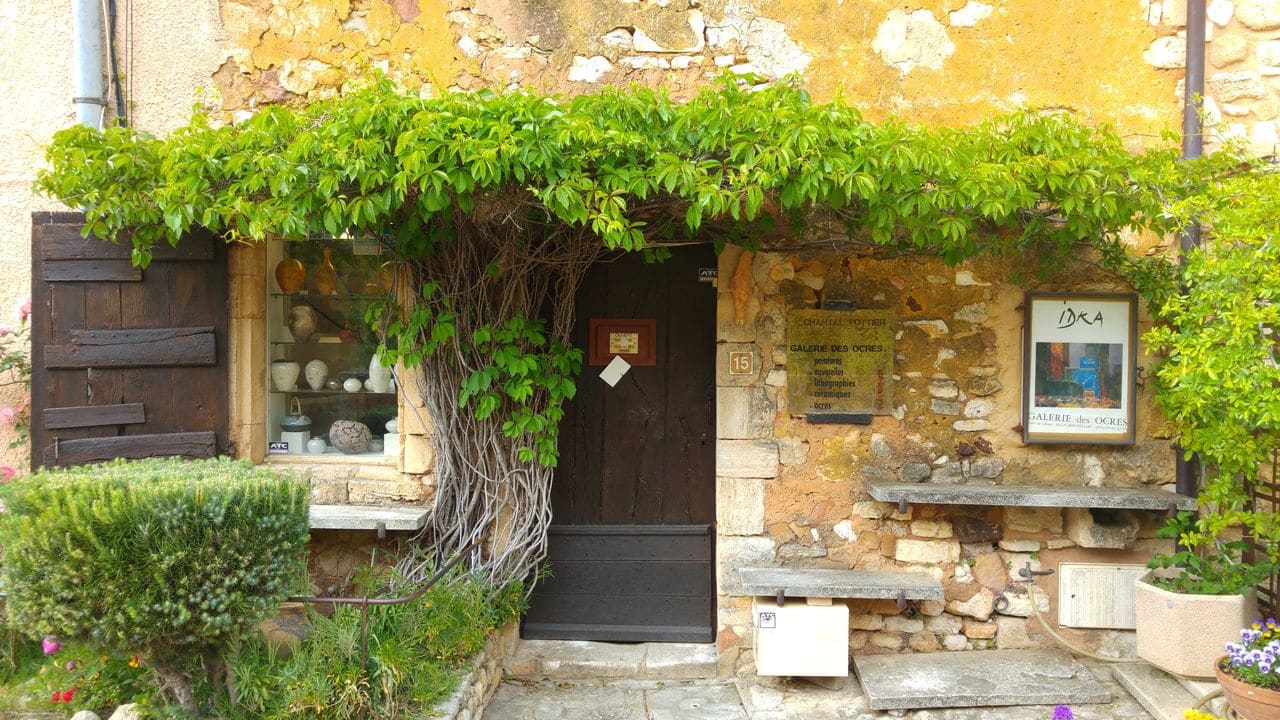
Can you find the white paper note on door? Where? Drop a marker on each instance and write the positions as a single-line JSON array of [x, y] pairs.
[[614, 371]]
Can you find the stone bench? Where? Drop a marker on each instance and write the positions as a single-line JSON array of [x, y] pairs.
[[1029, 496], [832, 583], [367, 517]]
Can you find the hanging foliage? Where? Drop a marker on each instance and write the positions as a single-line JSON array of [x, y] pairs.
[[497, 203]]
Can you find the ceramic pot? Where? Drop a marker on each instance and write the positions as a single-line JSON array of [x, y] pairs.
[[317, 446], [393, 425], [349, 436], [284, 375], [352, 385], [316, 372], [302, 322], [333, 384], [324, 279], [291, 275], [379, 375], [295, 421], [1249, 701]]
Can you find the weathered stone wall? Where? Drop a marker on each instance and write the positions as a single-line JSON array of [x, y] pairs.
[[792, 494], [478, 686]]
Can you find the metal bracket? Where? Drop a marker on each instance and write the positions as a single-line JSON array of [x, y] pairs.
[[1031, 575], [382, 530], [1171, 511], [782, 598], [901, 602], [902, 506]]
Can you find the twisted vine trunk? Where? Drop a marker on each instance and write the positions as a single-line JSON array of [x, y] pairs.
[[483, 490]]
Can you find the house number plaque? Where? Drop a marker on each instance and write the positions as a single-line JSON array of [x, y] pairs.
[[839, 362]]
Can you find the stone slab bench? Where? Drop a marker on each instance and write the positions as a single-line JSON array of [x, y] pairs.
[[367, 517], [1029, 496], [832, 583]]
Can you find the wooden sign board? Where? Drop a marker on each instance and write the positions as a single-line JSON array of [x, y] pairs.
[[840, 361]]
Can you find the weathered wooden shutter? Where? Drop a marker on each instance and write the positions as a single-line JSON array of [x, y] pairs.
[[125, 362]]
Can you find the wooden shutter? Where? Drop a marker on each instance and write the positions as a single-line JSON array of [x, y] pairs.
[[125, 362]]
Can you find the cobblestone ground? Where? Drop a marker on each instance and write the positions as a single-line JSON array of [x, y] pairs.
[[753, 699]]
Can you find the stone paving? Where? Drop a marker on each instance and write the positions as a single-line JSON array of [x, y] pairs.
[[753, 699]]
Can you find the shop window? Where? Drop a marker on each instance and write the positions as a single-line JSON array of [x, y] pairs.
[[327, 395]]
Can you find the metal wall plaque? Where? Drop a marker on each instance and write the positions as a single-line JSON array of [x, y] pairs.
[[839, 361]]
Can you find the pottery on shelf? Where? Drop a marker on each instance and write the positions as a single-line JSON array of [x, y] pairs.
[[284, 374], [291, 275], [324, 279], [349, 436], [317, 446], [302, 322], [295, 421], [333, 384], [352, 385], [393, 425], [316, 372], [379, 375]]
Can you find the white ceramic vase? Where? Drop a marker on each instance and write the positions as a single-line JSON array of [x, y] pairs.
[[379, 375], [317, 446], [316, 372], [284, 374]]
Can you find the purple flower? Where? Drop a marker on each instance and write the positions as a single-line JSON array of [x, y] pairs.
[[1062, 712], [71, 665], [50, 645]]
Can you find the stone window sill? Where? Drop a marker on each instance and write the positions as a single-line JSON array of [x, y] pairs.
[[333, 459]]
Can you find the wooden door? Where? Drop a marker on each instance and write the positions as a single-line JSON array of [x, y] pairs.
[[631, 552], [125, 362]]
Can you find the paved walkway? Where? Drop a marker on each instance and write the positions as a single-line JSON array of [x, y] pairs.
[[751, 699]]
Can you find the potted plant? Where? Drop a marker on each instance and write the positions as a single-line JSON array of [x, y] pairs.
[[1250, 672], [1195, 600], [1217, 386]]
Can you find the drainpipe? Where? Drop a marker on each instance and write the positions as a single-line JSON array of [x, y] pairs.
[[1192, 148], [90, 101]]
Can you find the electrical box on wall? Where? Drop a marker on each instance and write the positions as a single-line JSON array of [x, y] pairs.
[[1097, 595], [801, 638]]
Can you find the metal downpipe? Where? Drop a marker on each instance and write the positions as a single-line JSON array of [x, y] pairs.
[[89, 101]]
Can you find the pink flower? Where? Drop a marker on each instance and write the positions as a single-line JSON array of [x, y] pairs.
[[8, 415], [7, 473], [71, 665], [50, 645], [5, 331], [23, 310]]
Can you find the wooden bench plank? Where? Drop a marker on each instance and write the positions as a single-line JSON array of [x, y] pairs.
[[833, 583], [1029, 496]]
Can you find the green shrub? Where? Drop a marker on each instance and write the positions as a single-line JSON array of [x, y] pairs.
[[417, 652], [170, 560]]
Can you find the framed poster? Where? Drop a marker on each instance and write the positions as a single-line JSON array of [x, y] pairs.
[[1078, 368], [632, 339]]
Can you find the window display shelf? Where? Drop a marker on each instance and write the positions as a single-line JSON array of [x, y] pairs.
[[357, 393]]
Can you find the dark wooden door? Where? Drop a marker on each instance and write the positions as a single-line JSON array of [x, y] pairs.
[[631, 552], [125, 362]]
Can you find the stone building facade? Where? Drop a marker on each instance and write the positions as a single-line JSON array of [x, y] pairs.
[[789, 493]]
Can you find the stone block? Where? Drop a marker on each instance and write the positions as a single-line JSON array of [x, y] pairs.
[[944, 407], [866, 622], [949, 473], [931, 528], [972, 425], [1236, 85], [800, 551], [381, 492], [793, 451], [1095, 528], [927, 551], [978, 408], [724, 378], [419, 454], [1020, 545], [898, 623], [975, 530], [974, 313], [1228, 49], [989, 571], [932, 608], [924, 642], [979, 630], [944, 624], [747, 458], [1034, 519], [880, 446], [887, 640], [945, 389], [956, 642], [1258, 14], [328, 492], [987, 468], [915, 472], [739, 506], [1011, 634], [978, 607], [1020, 598], [735, 552], [743, 413]]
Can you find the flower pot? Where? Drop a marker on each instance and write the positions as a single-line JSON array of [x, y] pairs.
[[1185, 634], [1249, 701]]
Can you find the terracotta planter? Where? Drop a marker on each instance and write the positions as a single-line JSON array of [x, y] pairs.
[[1250, 702], [1185, 634]]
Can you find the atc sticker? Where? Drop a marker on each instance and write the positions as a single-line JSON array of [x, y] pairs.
[[767, 620], [277, 447]]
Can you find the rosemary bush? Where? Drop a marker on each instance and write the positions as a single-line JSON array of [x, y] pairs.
[[167, 559]]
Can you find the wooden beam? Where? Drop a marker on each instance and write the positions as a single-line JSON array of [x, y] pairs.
[[93, 416], [87, 450], [160, 347], [64, 242], [91, 270]]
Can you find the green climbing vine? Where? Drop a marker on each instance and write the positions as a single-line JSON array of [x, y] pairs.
[[497, 203]]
